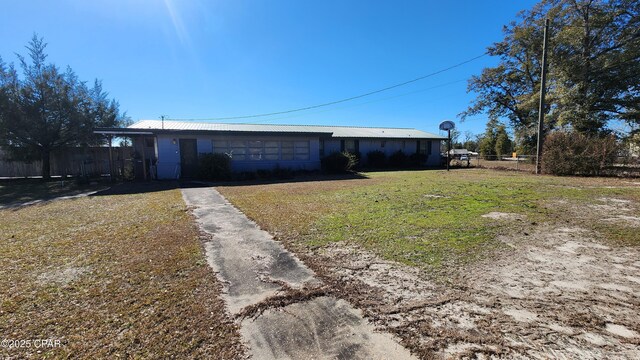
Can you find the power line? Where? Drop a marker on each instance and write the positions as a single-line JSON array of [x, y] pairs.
[[364, 103], [342, 100]]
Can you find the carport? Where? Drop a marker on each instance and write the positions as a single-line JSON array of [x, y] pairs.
[[140, 140]]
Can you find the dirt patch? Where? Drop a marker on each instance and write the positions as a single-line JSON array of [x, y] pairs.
[[632, 221], [608, 206], [62, 276], [557, 292], [434, 196], [503, 216]]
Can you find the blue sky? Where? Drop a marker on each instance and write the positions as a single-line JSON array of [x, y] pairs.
[[206, 59]]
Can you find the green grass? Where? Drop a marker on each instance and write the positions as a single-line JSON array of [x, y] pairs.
[[426, 218]]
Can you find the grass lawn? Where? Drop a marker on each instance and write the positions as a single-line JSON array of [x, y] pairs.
[[119, 275], [429, 218]]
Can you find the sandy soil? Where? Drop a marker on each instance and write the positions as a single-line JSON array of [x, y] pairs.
[[555, 291]]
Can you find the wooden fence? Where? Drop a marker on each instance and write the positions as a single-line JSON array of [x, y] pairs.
[[90, 161]]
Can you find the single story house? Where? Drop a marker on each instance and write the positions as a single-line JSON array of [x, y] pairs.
[[170, 149]]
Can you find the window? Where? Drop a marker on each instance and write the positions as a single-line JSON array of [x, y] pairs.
[[258, 150], [287, 150], [255, 150], [238, 150], [220, 147], [424, 147], [351, 146], [302, 150], [271, 150]]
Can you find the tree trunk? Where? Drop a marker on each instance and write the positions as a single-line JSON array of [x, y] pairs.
[[46, 164]]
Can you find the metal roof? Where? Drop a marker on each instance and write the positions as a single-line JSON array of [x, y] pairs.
[[334, 131]]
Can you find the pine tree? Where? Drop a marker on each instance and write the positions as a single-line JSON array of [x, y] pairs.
[[47, 109], [502, 142], [488, 141]]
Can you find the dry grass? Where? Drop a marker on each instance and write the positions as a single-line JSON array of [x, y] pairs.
[[523, 165], [111, 276]]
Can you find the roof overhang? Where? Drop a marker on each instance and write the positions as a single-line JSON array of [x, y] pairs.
[[322, 134], [134, 131], [390, 137], [121, 131]]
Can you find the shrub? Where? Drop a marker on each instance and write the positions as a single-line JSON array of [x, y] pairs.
[[82, 180], [214, 167], [339, 162], [283, 173], [128, 173], [398, 159], [376, 159], [417, 159], [358, 159], [571, 153], [244, 176], [264, 174]]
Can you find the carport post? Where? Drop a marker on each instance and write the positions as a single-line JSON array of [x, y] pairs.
[[110, 138], [144, 159]]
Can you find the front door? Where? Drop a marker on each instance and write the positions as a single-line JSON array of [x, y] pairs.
[[188, 158]]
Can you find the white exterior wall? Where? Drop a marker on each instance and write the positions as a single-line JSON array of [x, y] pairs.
[[434, 158], [168, 165]]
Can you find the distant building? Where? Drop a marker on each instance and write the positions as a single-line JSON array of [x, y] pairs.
[[456, 153]]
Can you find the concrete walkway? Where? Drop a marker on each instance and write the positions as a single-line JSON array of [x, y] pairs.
[[252, 267]]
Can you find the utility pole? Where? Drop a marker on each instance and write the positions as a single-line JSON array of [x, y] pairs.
[[543, 85], [162, 117]]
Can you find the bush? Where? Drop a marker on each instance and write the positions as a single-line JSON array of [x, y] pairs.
[[339, 162], [358, 159], [214, 167], [283, 173], [129, 173], [244, 176], [376, 159], [417, 159], [398, 159], [264, 174], [82, 180], [571, 153]]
